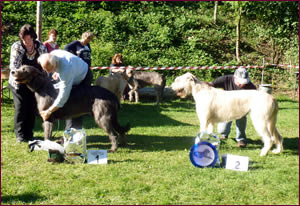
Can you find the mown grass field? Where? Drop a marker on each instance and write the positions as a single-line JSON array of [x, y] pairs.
[[154, 168]]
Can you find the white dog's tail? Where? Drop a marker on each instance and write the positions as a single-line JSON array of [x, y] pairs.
[[276, 137]]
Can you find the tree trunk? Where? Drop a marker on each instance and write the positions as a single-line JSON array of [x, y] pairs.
[[39, 20], [216, 12], [238, 35]]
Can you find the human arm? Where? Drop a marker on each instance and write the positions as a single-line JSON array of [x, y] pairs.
[[71, 47], [16, 54], [47, 113], [64, 89], [61, 99], [219, 82], [41, 48]]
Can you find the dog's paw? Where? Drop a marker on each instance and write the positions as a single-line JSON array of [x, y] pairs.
[[263, 153], [276, 151], [112, 150]]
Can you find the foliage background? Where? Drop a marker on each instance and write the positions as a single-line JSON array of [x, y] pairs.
[[155, 168], [166, 33]]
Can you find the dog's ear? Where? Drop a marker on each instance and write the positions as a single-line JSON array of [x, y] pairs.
[[192, 78], [32, 70], [129, 72]]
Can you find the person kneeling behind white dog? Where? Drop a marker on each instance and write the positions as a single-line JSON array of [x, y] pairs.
[[240, 80]]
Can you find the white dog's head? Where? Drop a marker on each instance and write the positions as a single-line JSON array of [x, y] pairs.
[[129, 72], [183, 85]]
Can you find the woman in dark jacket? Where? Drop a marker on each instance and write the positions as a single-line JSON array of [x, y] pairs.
[[82, 47], [24, 52]]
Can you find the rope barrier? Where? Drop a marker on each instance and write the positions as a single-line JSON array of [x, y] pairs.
[[283, 65], [176, 68], [194, 68], [188, 68]]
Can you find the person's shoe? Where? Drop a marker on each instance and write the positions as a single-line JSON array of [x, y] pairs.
[[223, 137], [19, 140], [241, 144], [29, 139]]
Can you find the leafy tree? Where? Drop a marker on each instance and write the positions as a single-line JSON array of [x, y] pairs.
[[166, 33]]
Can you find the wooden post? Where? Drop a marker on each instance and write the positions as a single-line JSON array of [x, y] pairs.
[[39, 20], [216, 12], [238, 34], [262, 72]]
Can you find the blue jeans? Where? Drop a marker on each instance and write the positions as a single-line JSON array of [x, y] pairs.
[[241, 124]]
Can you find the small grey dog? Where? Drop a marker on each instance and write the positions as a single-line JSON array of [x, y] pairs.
[[139, 79]]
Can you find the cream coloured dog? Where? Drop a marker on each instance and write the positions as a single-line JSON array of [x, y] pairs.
[[115, 83], [216, 105]]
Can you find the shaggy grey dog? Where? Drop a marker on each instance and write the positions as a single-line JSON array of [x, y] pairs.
[[98, 101], [138, 79]]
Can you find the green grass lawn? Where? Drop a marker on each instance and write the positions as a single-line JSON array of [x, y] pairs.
[[154, 168]]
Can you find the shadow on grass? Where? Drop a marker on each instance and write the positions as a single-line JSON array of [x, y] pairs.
[[291, 144], [138, 115], [287, 100], [28, 197], [144, 143]]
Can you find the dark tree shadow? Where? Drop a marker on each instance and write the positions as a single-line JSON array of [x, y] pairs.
[[138, 115], [144, 142], [26, 198], [291, 144]]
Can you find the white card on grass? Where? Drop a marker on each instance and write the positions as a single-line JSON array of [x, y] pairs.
[[236, 162], [97, 157]]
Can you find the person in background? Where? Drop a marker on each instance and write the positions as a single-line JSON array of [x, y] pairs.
[[117, 61], [240, 80], [24, 52], [51, 41], [82, 47], [69, 70]]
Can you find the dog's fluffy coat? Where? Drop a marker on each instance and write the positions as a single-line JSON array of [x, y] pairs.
[[216, 105], [141, 79], [98, 101], [114, 83]]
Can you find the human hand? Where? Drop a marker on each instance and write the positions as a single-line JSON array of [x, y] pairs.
[[45, 114], [55, 76]]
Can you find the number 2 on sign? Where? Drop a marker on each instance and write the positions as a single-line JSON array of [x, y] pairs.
[[236, 162], [237, 165]]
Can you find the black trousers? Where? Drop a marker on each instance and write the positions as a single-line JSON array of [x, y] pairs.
[[25, 111], [77, 122]]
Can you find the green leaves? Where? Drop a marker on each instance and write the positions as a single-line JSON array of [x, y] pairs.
[[163, 33]]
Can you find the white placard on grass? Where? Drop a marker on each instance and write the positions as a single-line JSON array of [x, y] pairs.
[[236, 162], [97, 157]]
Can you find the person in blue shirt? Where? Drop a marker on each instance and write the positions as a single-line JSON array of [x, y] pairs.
[[69, 70]]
